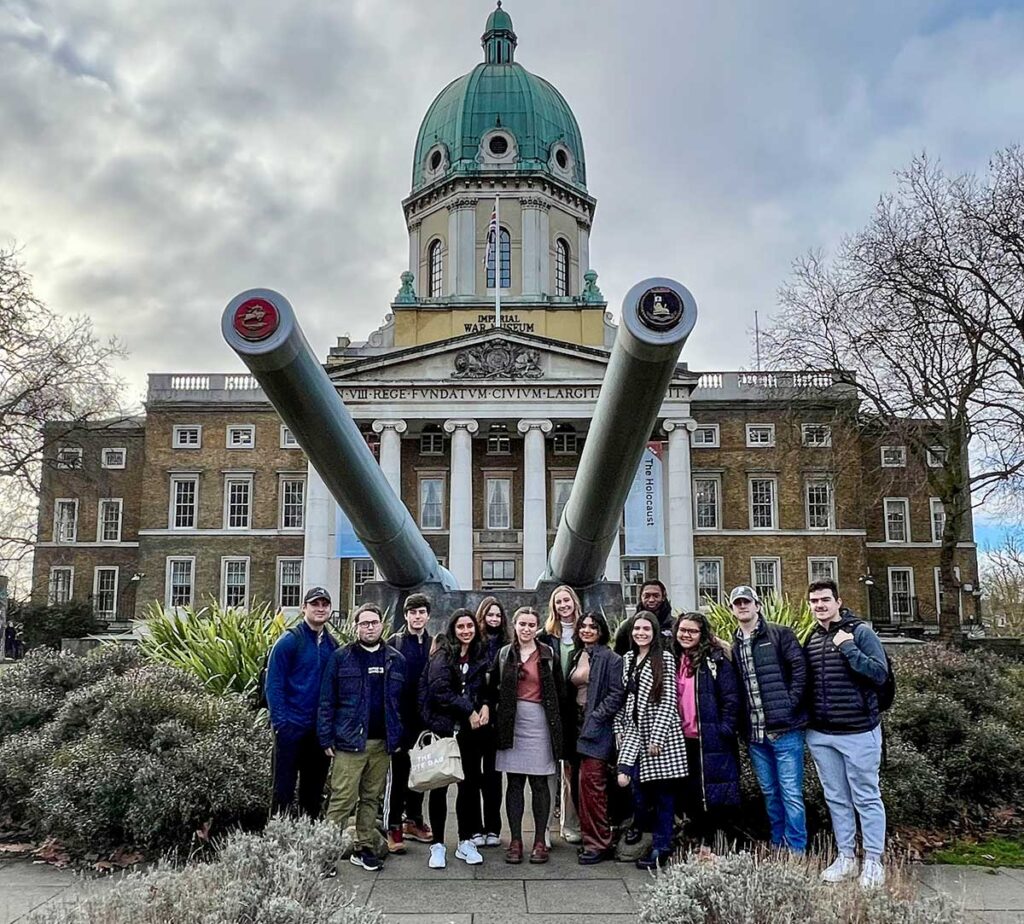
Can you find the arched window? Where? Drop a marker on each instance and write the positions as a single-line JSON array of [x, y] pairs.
[[436, 261], [506, 261], [561, 267]]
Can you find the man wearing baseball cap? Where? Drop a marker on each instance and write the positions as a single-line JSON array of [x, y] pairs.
[[296, 665], [773, 669]]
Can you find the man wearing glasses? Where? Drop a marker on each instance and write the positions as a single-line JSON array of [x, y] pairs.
[[359, 726], [297, 663]]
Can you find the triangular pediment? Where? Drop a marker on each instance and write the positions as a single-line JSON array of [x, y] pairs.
[[484, 356]]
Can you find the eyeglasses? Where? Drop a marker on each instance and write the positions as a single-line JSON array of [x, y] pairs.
[[688, 632], [368, 623]]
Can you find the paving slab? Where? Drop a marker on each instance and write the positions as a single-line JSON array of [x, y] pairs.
[[997, 917], [418, 896], [570, 918], [979, 888], [16, 904], [429, 919], [592, 896]]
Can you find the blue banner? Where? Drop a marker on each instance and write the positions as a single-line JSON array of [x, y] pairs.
[[346, 542], [645, 530]]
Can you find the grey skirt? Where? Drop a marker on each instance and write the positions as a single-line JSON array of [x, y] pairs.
[[531, 747]]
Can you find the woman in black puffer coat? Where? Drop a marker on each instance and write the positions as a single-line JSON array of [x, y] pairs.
[[453, 693], [708, 693]]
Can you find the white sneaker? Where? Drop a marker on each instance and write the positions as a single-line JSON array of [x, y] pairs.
[[491, 840], [479, 840], [872, 876], [842, 868], [467, 851], [438, 856]]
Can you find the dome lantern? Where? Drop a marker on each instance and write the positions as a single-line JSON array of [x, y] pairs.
[[498, 40]]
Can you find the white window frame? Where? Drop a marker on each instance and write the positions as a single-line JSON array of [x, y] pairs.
[[176, 433], [892, 610], [565, 443], [899, 462], [354, 583], [820, 480], [777, 561], [717, 481], [168, 586], [631, 589], [807, 428], [775, 501], [238, 479], [171, 512], [421, 480], [489, 523], [935, 456], [431, 444], [51, 599], [905, 501], [288, 440], [499, 442], [238, 429], [719, 563], [225, 560], [769, 428], [282, 482], [124, 457], [933, 503], [831, 559], [505, 560], [283, 560], [715, 440], [556, 514], [69, 457], [105, 614], [57, 501], [99, 518]]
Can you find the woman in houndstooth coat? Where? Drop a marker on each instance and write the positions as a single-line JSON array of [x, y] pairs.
[[652, 750]]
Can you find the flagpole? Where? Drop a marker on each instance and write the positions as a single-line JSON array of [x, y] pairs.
[[497, 264]]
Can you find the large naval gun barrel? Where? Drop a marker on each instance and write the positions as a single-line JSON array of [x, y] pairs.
[[657, 316], [260, 326]]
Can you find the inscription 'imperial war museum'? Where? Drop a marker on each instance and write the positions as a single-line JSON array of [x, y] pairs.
[[508, 322]]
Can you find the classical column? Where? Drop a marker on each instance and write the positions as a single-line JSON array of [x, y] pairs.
[[535, 500], [682, 579], [462, 246], [318, 546], [535, 245], [414, 254], [460, 511], [391, 451], [584, 253]]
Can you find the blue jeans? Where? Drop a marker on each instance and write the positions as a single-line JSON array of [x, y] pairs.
[[848, 769], [779, 767]]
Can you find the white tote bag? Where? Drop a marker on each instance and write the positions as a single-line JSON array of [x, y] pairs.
[[434, 762]]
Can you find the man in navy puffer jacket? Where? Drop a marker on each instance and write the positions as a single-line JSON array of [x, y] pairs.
[[848, 666], [772, 667], [296, 665]]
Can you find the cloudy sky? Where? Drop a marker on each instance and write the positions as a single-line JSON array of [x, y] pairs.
[[156, 158]]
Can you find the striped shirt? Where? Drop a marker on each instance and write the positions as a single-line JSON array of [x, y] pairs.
[[745, 647]]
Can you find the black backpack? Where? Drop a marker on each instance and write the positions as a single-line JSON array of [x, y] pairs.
[[260, 693]]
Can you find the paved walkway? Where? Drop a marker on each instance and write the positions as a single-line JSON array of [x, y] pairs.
[[560, 892]]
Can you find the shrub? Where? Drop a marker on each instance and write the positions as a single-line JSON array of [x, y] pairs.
[[742, 887], [931, 722], [781, 611], [21, 757], [913, 789], [223, 648], [45, 626], [269, 878]]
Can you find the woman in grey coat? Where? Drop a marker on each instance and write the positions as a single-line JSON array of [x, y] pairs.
[[596, 694], [652, 750]]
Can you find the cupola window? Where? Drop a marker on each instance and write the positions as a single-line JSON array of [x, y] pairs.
[[436, 261], [505, 249], [562, 267], [498, 145]]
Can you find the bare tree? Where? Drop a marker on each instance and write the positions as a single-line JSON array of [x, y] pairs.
[[1003, 582], [919, 309], [55, 376]]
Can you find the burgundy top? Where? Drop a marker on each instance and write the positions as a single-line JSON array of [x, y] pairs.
[[528, 688]]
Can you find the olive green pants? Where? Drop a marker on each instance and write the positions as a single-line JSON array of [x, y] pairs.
[[357, 784]]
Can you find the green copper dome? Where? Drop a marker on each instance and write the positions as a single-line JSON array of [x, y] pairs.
[[498, 117]]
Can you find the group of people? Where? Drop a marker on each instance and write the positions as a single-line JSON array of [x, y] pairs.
[[626, 733]]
